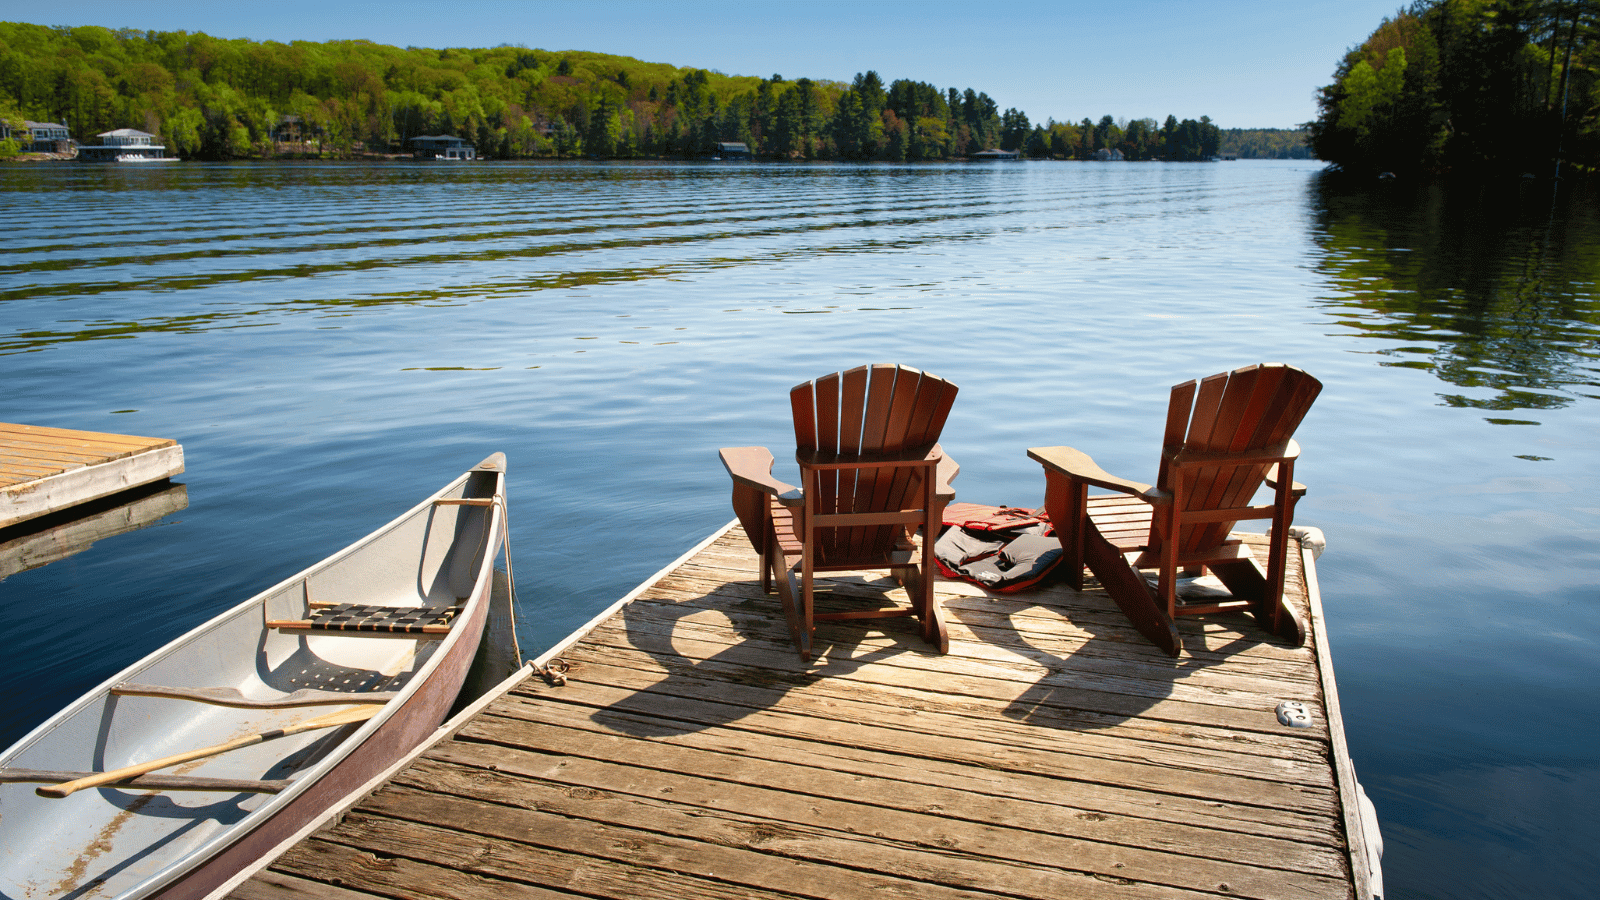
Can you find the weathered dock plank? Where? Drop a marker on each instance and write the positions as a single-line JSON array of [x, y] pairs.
[[812, 792], [1052, 753], [44, 470], [841, 709]]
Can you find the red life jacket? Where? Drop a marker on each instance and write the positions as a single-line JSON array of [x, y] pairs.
[[999, 548]]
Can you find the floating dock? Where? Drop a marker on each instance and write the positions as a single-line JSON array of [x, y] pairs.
[[128, 511], [1053, 753], [45, 470]]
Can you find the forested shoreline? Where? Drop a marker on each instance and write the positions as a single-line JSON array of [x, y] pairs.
[[212, 98], [1469, 88]]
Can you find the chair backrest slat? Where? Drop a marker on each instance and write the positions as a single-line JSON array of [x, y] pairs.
[[1203, 419], [935, 396], [853, 394], [1264, 409], [817, 402], [852, 407], [902, 411], [803, 404], [1179, 410], [875, 414], [1296, 403]]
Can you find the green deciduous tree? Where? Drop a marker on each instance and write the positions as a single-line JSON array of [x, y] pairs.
[[13, 123], [217, 98]]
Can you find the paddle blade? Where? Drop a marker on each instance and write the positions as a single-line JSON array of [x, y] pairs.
[[341, 717]]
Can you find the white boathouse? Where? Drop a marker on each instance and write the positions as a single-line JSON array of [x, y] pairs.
[[123, 145], [442, 146]]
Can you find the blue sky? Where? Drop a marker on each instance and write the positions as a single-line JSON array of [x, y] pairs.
[[1245, 63]]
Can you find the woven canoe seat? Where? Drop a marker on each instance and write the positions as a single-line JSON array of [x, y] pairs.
[[386, 619]]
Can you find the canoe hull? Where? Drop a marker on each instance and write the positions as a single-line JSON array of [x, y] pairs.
[[128, 844]]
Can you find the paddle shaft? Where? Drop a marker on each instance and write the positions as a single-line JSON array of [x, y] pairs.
[[330, 720]]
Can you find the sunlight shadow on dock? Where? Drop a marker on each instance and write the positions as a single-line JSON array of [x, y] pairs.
[[704, 682], [1098, 672]]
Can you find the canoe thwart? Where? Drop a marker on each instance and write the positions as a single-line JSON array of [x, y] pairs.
[[465, 501], [361, 618], [153, 782], [219, 696]]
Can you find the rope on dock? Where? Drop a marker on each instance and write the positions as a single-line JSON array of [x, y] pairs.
[[554, 674]]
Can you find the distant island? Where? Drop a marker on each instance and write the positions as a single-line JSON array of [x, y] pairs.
[[1468, 88], [201, 97]]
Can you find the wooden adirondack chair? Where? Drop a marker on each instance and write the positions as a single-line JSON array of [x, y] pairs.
[[1225, 436], [871, 474]]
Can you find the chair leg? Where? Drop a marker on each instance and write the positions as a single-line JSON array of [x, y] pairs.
[[770, 554], [933, 629], [933, 626], [1245, 579], [1126, 586], [1285, 623], [1165, 520], [768, 564], [808, 622], [754, 510], [1278, 544], [1067, 503], [789, 594], [1264, 589], [918, 582]]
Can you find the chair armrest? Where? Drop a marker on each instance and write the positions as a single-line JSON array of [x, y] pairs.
[[944, 473], [1298, 489], [1078, 466], [752, 467]]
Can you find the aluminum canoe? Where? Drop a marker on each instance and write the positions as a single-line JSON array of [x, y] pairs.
[[175, 841]]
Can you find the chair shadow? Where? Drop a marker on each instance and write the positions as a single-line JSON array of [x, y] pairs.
[[1113, 676], [755, 673]]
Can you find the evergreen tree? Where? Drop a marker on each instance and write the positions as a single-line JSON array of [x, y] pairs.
[[1014, 129]]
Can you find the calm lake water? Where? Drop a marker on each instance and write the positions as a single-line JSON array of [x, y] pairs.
[[331, 342]]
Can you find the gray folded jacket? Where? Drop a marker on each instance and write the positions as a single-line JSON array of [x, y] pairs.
[[1003, 561]]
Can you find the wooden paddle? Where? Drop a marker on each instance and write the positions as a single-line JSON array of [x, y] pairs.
[[330, 720]]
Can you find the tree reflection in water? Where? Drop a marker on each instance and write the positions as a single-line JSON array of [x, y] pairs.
[[1490, 289]]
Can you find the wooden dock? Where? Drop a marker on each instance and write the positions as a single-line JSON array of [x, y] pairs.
[[45, 470], [1051, 754]]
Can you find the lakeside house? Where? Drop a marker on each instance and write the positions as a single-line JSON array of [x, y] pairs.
[[292, 129], [292, 134], [442, 146], [992, 154], [731, 150], [121, 145], [39, 137]]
